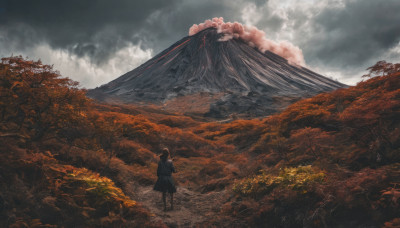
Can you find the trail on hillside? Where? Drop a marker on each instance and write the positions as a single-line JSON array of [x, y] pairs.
[[190, 207]]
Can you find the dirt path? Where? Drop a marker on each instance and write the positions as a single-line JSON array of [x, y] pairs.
[[190, 208]]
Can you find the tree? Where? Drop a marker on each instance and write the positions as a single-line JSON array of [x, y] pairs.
[[382, 68], [36, 98]]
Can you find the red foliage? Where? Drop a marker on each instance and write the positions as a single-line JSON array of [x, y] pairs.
[[312, 141], [352, 135]]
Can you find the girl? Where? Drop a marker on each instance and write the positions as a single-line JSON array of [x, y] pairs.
[[165, 183]]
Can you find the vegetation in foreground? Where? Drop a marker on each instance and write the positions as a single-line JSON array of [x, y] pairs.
[[330, 160]]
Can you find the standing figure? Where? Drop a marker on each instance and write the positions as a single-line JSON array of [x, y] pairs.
[[165, 183]]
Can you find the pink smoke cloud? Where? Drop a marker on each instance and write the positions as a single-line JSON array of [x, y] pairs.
[[252, 36]]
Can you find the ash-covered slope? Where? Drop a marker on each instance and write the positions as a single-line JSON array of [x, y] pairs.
[[236, 77]]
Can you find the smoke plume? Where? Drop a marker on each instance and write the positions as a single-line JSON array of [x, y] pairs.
[[252, 36]]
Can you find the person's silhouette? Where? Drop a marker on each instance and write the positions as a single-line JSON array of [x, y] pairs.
[[165, 183]]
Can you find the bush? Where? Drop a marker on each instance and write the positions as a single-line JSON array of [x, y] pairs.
[[297, 178], [102, 189]]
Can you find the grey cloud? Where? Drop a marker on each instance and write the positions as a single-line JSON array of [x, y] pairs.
[[166, 27], [259, 2], [345, 39], [354, 35], [100, 28], [332, 38], [271, 24], [92, 28]]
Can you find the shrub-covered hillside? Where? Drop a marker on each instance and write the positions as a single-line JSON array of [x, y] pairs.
[[328, 161], [68, 161]]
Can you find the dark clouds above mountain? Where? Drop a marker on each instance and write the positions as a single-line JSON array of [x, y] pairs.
[[96, 41], [352, 35], [93, 28]]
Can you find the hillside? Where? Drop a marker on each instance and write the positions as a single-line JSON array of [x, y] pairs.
[[327, 161]]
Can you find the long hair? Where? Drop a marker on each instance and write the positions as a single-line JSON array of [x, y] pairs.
[[164, 155]]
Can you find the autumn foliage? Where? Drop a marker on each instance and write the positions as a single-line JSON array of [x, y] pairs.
[[37, 99], [352, 135], [328, 161]]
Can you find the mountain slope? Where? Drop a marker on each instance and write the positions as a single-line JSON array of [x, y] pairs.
[[202, 64]]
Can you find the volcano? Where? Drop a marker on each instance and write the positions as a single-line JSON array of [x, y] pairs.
[[208, 75]]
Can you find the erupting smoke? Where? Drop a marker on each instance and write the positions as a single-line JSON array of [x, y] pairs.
[[252, 36]]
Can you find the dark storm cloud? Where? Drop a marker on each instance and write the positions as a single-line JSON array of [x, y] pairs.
[[100, 28], [354, 35], [93, 28], [333, 37], [95, 41]]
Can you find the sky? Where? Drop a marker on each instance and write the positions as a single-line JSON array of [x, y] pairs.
[[96, 41]]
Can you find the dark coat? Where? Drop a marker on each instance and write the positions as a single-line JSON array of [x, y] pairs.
[[165, 183]]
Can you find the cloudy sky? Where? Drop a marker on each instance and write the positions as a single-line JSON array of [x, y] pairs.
[[95, 41]]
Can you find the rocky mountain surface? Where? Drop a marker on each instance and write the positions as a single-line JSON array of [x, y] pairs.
[[204, 74]]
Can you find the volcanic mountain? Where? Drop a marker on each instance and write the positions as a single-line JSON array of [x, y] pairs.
[[206, 74]]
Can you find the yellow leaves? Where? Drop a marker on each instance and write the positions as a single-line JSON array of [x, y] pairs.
[[300, 177], [296, 178], [101, 187]]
